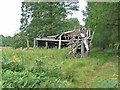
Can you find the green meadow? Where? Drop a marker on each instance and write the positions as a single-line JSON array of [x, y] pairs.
[[53, 68]]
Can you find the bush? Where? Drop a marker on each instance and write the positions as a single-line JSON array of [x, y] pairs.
[[16, 76], [9, 64]]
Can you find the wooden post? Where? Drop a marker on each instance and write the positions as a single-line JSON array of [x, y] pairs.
[[46, 43], [59, 47], [27, 43], [85, 41], [86, 46], [34, 43], [82, 48]]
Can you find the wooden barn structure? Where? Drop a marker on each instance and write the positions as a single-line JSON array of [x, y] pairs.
[[76, 40]]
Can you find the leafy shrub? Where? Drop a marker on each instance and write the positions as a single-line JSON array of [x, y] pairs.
[[51, 68], [9, 64], [27, 79], [38, 76]]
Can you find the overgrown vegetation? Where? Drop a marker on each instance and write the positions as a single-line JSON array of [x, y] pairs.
[[103, 17], [54, 68], [6, 41]]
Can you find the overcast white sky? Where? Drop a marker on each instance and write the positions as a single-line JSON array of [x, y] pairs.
[[10, 14]]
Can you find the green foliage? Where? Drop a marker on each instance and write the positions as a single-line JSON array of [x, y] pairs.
[[43, 19], [35, 77], [53, 68], [13, 66], [19, 40], [6, 41], [103, 18]]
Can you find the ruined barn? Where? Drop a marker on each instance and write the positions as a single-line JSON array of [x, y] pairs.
[[76, 40]]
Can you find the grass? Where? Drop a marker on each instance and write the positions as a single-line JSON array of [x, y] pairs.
[[99, 70]]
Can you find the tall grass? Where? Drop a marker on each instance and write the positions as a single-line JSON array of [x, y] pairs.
[[93, 71]]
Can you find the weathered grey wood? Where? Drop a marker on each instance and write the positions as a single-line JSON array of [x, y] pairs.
[[51, 40], [46, 44], [85, 41], [87, 47], [59, 47], [34, 43], [78, 40], [27, 43], [82, 49]]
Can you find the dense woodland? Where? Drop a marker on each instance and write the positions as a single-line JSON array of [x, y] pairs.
[[49, 18]]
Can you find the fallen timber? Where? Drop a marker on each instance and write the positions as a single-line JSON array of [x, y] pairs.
[[78, 41]]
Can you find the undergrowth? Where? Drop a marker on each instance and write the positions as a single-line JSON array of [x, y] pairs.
[[53, 68]]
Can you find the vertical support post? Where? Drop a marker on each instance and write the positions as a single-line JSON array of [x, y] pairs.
[[34, 43], [59, 47], [86, 46], [27, 43], [46, 43], [82, 48]]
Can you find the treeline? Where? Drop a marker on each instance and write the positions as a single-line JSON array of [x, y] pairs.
[[103, 18], [6, 41]]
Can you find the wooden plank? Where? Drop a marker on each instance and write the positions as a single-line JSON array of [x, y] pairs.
[[59, 47], [46, 44], [27, 43], [51, 40], [34, 42], [85, 41], [82, 49]]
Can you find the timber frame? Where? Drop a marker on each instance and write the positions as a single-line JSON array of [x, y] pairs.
[[75, 40]]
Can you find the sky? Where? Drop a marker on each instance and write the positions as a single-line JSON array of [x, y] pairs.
[[10, 14]]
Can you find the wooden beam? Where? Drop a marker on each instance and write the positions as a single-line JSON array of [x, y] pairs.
[[85, 41], [51, 40], [46, 43], [82, 48], [27, 43], [59, 47], [34, 43]]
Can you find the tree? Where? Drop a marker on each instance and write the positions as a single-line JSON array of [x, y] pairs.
[[6, 41], [19, 40], [103, 17], [45, 18]]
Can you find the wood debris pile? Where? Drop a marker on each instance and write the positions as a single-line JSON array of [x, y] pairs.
[[78, 41]]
